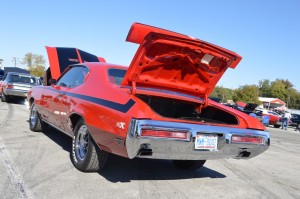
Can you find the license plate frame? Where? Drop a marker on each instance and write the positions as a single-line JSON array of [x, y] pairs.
[[208, 142]]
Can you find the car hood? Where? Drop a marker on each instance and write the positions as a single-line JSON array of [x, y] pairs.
[[170, 61], [60, 58]]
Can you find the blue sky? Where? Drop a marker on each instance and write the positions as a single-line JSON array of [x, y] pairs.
[[265, 33]]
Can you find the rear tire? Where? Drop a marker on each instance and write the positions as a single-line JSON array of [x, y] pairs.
[[189, 164], [86, 155], [4, 98], [35, 122], [276, 125]]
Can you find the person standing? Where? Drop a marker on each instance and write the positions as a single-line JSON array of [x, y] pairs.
[[286, 118]]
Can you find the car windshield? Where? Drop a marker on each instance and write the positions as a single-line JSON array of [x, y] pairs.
[[25, 79], [116, 76]]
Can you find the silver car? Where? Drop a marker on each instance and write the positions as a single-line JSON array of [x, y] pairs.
[[16, 85]]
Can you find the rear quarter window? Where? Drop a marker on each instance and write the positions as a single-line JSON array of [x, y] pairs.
[[116, 76]]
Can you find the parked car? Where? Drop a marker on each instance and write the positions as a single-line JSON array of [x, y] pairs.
[[250, 108], [235, 106], [275, 118], [295, 120], [157, 108], [16, 85]]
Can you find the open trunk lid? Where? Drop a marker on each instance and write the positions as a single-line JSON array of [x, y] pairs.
[[169, 63]]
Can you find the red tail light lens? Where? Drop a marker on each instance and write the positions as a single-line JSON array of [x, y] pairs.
[[164, 134], [9, 86], [247, 139]]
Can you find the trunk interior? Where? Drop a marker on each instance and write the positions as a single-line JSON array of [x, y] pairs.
[[177, 109]]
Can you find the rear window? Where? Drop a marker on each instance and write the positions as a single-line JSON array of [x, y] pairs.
[[24, 79], [116, 76]]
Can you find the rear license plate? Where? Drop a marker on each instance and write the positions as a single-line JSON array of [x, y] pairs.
[[206, 142]]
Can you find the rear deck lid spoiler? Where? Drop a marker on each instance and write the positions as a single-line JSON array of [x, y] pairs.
[[60, 58]]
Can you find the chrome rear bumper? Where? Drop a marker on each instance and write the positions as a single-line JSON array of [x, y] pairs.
[[17, 93], [178, 149]]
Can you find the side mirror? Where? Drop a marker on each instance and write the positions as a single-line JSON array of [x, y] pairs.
[[52, 81]]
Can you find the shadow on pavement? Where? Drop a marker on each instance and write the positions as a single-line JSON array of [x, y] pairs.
[[20, 101], [59, 138], [119, 169]]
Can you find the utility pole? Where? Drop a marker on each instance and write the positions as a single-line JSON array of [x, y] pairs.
[[15, 60]]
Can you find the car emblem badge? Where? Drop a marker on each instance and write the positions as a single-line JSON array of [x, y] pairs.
[[120, 125]]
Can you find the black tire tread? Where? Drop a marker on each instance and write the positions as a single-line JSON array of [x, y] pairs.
[[98, 159], [95, 159], [38, 126], [3, 97]]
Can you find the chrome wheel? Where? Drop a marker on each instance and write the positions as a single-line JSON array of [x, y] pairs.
[[35, 122], [82, 142], [86, 155], [33, 116]]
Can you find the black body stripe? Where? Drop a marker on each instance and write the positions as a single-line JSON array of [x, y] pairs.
[[65, 55], [109, 104]]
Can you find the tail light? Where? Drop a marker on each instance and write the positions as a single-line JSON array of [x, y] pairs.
[[10, 86], [164, 134], [247, 139]]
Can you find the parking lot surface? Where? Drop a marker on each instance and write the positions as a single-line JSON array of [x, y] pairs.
[[38, 165]]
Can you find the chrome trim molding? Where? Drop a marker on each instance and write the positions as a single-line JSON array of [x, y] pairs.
[[178, 149]]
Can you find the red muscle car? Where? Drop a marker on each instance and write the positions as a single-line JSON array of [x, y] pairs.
[[158, 107], [275, 118]]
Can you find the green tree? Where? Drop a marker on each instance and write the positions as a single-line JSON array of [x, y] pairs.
[[38, 71], [28, 60], [39, 60], [35, 64], [278, 90], [247, 93], [287, 84], [264, 87], [292, 99], [222, 93], [297, 101]]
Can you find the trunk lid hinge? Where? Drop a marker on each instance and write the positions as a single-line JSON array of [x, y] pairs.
[[133, 90], [205, 101], [204, 105]]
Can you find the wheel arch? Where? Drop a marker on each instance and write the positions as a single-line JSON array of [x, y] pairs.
[[74, 118], [30, 101]]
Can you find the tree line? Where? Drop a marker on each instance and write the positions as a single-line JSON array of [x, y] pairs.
[[280, 88]]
